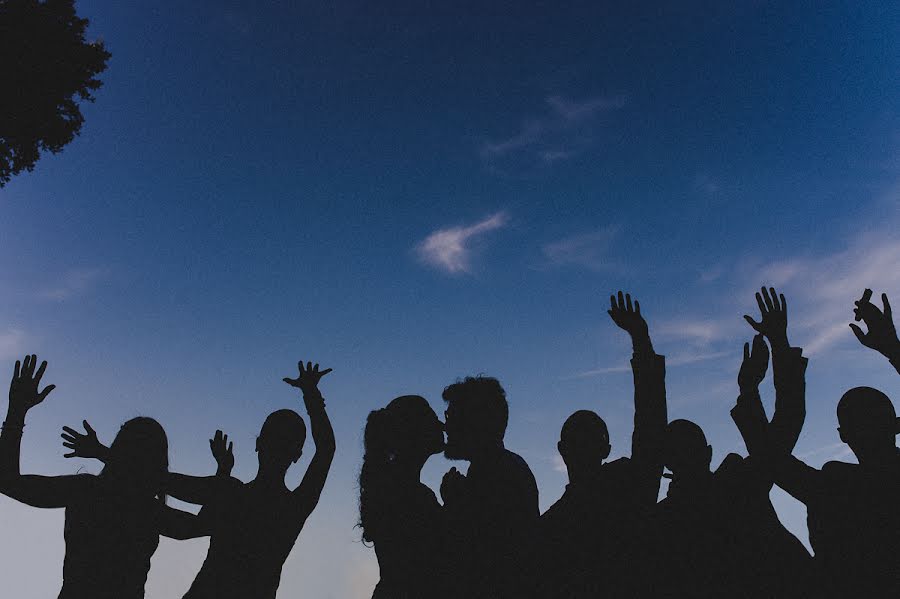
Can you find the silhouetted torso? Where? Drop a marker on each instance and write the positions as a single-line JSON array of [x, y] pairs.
[[585, 534], [252, 531], [720, 537], [411, 545], [109, 542], [494, 524], [854, 528]]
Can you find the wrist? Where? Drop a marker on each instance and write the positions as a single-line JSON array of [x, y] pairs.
[[641, 344], [15, 416], [895, 360], [313, 400], [779, 342], [892, 352]]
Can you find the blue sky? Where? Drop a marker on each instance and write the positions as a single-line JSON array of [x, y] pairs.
[[414, 194]]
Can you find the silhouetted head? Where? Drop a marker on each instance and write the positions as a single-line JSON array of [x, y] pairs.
[[280, 442], [686, 452], [404, 433], [139, 456], [868, 423], [583, 442], [406, 430], [476, 416]]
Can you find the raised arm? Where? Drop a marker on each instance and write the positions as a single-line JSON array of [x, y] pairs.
[[36, 491], [191, 489], [788, 369], [882, 335], [310, 488], [649, 371], [748, 413]]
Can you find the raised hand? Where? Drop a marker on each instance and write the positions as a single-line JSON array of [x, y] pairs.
[[754, 365], [774, 317], [309, 378], [452, 486], [85, 445], [882, 335], [223, 453], [23, 390], [628, 318]]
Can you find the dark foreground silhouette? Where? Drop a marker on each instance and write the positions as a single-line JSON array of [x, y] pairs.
[[715, 534], [114, 519], [587, 536], [397, 513], [252, 526]]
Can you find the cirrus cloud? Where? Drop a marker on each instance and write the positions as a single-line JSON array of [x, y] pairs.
[[450, 249]]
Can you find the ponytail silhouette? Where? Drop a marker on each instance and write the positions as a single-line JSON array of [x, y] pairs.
[[399, 515]]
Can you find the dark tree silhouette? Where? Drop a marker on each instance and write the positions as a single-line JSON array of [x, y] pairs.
[[48, 68]]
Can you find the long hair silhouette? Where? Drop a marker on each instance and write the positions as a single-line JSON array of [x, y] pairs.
[[397, 513]]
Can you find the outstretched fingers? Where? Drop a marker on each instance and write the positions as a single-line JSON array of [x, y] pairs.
[[761, 304]]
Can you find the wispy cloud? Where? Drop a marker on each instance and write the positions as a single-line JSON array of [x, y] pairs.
[[451, 249], [562, 132], [707, 185], [681, 359], [589, 250], [832, 449], [701, 332], [73, 283], [821, 289], [12, 344], [559, 465]]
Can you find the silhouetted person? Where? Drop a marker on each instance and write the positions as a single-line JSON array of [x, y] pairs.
[[114, 519], [882, 335], [853, 510], [493, 509], [585, 534], [254, 526], [717, 534], [399, 514]]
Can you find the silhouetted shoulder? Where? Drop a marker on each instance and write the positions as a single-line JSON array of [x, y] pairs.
[[621, 471], [513, 469], [517, 465]]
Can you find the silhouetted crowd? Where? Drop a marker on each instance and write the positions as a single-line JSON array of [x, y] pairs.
[[715, 534]]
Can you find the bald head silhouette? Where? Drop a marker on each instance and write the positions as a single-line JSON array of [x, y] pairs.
[[686, 451], [583, 443], [868, 423]]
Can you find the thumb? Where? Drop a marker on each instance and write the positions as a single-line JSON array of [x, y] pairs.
[[46, 392], [858, 332], [752, 323]]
